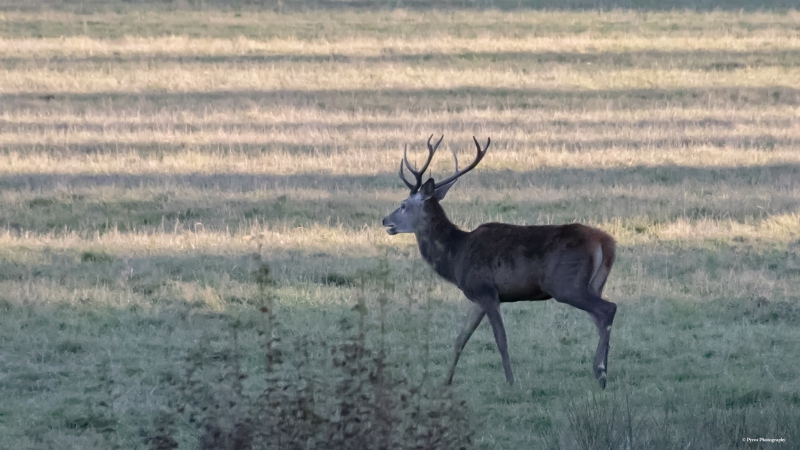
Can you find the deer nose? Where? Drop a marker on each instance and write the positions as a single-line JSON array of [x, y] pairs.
[[383, 222]]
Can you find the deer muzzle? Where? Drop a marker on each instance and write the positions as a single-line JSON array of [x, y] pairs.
[[391, 230]]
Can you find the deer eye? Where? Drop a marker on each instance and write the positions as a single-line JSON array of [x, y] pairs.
[[403, 206]]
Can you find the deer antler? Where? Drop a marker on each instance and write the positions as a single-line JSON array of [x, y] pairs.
[[478, 158], [402, 176], [418, 173]]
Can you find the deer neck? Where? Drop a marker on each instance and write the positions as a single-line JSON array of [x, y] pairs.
[[439, 240]]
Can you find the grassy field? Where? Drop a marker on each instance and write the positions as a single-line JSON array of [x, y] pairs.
[[150, 162]]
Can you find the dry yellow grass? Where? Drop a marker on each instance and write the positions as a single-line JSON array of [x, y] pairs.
[[66, 49], [191, 77], [369, 142]]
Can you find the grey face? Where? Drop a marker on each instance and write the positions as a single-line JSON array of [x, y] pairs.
[[405, 218]]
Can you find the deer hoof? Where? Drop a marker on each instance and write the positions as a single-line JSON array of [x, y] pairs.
[[601, 378], [600, 374]]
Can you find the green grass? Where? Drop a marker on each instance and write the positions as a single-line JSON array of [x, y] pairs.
[[151, 160]]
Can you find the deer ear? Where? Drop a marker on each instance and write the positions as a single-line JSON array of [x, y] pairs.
[[441, 191], [428, 189]]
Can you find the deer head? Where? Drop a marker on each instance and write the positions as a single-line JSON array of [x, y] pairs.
[[407, 217]]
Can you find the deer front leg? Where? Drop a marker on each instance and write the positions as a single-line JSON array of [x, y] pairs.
[[493, 312], [474, 318]]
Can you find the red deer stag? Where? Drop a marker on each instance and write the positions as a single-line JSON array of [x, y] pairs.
[[499, 263]]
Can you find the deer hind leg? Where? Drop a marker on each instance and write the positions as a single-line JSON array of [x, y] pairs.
[[474, 318], [602, 311], [603, 315]]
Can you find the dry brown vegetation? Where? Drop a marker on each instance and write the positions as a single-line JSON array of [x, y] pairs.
[[150, 160]]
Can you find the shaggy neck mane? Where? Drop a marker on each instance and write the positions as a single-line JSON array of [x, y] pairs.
[[439, 239]]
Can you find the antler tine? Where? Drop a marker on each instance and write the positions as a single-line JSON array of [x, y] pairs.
[[403, 177], [478, 158], [418, 173], [431, 151], [405, 160], [455, 159]]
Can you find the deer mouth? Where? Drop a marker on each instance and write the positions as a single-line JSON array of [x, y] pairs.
[[390, 227]]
